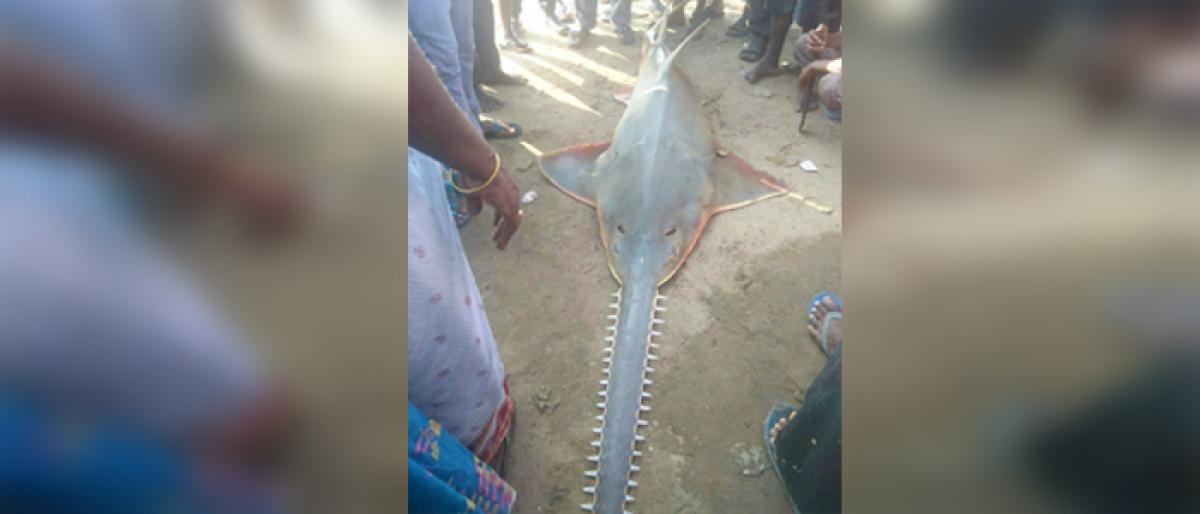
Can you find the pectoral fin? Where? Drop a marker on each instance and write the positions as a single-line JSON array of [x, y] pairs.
[[736, 183], [573, 170]]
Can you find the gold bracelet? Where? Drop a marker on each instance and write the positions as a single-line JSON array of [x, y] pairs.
[[481, 187]]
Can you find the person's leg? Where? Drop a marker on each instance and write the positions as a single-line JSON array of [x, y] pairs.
[[487, 62], [585, 16], [511, 40], [429, 23], [462, 14], [740, 27], [759, 18], [517, 27], [808, 447], [449, 337], [769, 64], [549, 8], [758, 23], [622, 17]]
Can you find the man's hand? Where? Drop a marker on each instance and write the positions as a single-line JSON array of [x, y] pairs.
[[816, 41], [501, 194]]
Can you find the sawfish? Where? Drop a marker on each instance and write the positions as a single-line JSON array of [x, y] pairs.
[[654, 187]]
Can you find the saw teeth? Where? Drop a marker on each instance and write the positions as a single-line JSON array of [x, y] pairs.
[[600, 405], [597, 430], [600, 418], [632, 483], [595, 444], [649, 370], [603, 394], [628, 498], [612, 317], [659, 297], [657, 321], [591, 473], [646, 381], [593, 458], [639, 438], [660, 309], [634, 468], [609, 339], [637, 453], [604, 381], [652, 357], [586, 506], [643, 423], [614, 329], [644, 408], [655, 333], [589, 489], [646, 395], [607, 349]]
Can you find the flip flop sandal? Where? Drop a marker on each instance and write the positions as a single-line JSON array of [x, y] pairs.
[[778, 412], [753, 49], [828, 319], [494, 129]]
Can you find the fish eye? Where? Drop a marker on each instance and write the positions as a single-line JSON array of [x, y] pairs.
[[621, 228], [670, 231]]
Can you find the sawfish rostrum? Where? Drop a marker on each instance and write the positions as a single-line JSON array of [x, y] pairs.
[[654, 187]]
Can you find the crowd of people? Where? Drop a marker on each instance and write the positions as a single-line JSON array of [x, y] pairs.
[[461, 410]]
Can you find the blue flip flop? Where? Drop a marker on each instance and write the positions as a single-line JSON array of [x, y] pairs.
[[778, 412], [825, 322]]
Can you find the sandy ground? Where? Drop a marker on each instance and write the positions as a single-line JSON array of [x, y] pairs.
[[735, 341]]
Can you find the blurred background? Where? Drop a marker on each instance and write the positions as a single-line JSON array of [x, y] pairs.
[[201, 256], [1021, 215]]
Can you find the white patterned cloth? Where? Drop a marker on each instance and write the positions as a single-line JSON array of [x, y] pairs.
[[454, 371]]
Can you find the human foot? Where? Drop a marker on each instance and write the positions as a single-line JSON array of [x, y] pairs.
[[778, 427], [496, 129], [825, 321], [760, 70], [577, 38], [487, 102]]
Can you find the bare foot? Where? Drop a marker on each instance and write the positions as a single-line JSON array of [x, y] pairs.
[[760, 70], [816, 317], [778, 426]]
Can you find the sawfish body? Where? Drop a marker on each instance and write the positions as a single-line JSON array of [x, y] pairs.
[[654, 187]]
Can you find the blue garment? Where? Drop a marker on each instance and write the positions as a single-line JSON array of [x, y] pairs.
[[621, 12], [446, 478], [52, 466], [443, 29]]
